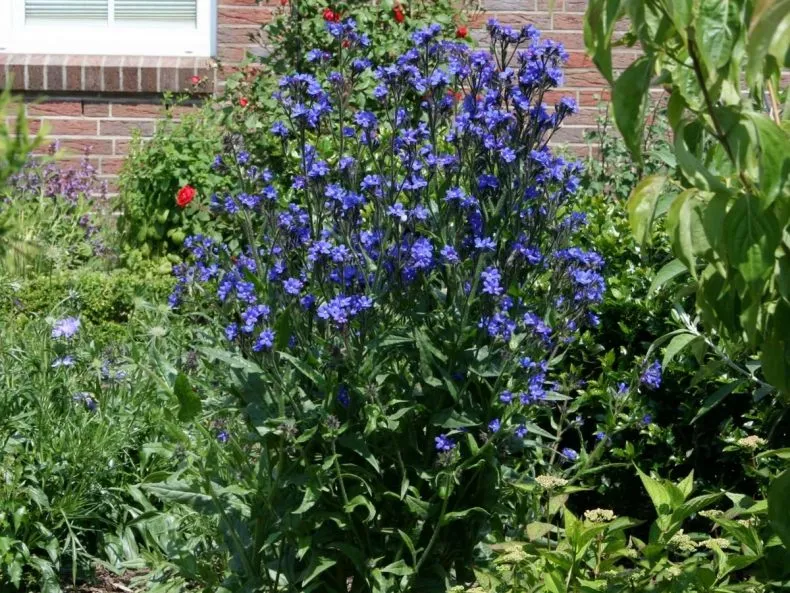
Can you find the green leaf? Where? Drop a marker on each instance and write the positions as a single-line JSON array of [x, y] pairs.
[[714, 36], [189, 404], [751, 237], [716, 398], [676, 346], [317, 566], [456, 515], [666, 273], [629, 102], [662, 500], [685, 227], [308, 372], [772, 24], [449, 418], [599, 22], [537, 530], [642, 206], [773, 156]]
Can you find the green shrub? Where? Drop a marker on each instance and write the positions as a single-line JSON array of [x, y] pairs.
[[180, 154]]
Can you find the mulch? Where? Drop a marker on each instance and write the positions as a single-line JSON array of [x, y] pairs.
[[106, 582]]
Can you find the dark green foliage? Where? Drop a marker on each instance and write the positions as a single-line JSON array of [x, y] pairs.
[[180, 153]]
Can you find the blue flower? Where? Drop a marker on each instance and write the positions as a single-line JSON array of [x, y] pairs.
[[569, 454], [265, 341], [66, 328], [63, 361], [491, 281], [449, 255], [343, 397], [521, 431], [444, 443], [651, 377], [293, 286], [223, 436], [495, 425]]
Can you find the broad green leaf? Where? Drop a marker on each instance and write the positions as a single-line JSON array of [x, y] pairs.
[[629, 102], [685, 227], [662, 500], [666, 273], [599, 22], [642, 206], [676, 345], [751, 237], [456, 515], [538, 530], [771, 25], [317, 566], [189, 404], [299, 365], [773, 156], [775, 357], [715, 37], [716, 398]]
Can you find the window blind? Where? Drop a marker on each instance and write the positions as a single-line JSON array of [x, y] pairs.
[[182, 11], [66, 9], [156, 10]]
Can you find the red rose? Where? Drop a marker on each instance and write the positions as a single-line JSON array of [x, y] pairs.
[[398, 13], [185, 195], [195, 80], [283, 2], [345, 43], [244, 101], [461, 32], [331, 16]]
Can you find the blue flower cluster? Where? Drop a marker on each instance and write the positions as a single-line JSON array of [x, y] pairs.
[[443, 190]]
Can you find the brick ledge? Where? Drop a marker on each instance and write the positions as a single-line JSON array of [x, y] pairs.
[[105, 74]]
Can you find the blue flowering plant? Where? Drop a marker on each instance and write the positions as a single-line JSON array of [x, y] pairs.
[[395, 309]]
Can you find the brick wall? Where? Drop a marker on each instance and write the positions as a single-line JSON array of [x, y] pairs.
[[97, 102]]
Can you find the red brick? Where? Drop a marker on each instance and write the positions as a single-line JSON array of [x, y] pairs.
[[575, 5], [238, 35], [571, 40], [73, 73], [112, 74], [130, 74], [55, 79], [149, 75], [96, 146], [588, 98], [578, 59], [66, 108], [34, 80], [95, 109], [244, 16], [144, 110], [168, 74], [541, 20], [568, 135], [584, 78], [573, 22], [122, 127], [111, 166], [92, 74], [231, 54], [71, 127]]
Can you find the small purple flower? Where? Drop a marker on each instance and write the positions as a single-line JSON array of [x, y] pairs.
[[647, 419], [449, 255], [521, 431], [569, 454], [397, 210], [506, 397], [491, 281], [63, 361], [600, 435], [652, 375], [343, 397], [444, 443], [265, 341], [223, 436], [66, 328], [293, 286], [495, 425]]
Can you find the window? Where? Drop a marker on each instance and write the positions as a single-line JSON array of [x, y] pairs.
[[108, 27]]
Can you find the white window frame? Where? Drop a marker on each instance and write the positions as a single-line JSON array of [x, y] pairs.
[[112, 38]]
